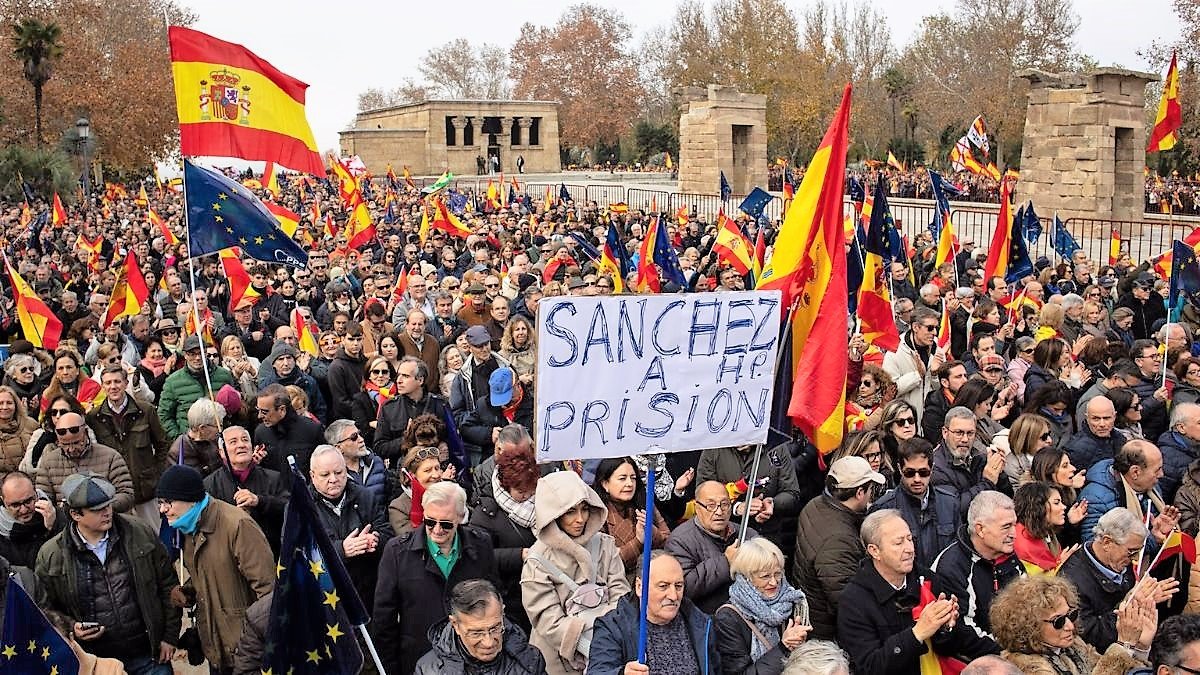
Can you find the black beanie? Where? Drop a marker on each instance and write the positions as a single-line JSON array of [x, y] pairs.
[[180, 482]]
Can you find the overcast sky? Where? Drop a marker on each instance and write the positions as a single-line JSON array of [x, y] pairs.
[[343, 48]]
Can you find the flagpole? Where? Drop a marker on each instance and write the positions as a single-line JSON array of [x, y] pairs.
[[187, 229], [362, 629], [647, 540]]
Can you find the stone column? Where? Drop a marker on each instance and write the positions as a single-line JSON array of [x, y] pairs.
[[459, 123], [524, 123], [505, 130]]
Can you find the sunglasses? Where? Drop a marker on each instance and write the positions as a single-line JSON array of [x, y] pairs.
[[352, 437], [1060, 622], [63, 431], [446, 525], [55, 412], [24, 369], [904, 421], [913, 473], [1046, 436], [381, 371]]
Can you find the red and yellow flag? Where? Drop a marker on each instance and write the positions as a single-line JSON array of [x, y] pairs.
[[895, 163], [129, 292], [270, 181], [943, 334], [232, 103], [408, 177], [731, 246], [306, 340], [142, 200], [93, 249], [289, 221], [947, 243], [38, 323], [58, 215], [1114, 247], [647, 274], [239, 278], [933, 663], [809, 267], [158, 222], [997, 259], [447, 222], [1170, 115]]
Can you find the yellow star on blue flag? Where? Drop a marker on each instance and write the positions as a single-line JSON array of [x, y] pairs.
[[46, 652]]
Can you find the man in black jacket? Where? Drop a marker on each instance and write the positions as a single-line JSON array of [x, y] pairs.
[[410, 402], [1147, 306], [1102, 572], [345, 375], [951, 377], [1096, 438], [875, 620], [955, 464], [28, 519], [980, 563], [506, 401], [1151, 391], [283, 432], [417, 572], [931, 512], [259, 491]]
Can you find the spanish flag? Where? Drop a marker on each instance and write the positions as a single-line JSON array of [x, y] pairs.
[[58, 215], [288, 220], [1114, 247], [129, 292], [997, 260], [895, 163], [809, 267], [142, 200], [931, 662], [38, 323], [943, 334], [613, 260], [449, 223], [947, 243], [1170, 115], [270, 181], [647, 274], [731, 246], [232, 103], [306, 341], [158, 222], [239, 278]]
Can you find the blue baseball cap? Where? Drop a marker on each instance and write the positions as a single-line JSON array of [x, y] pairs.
[[501, 385]]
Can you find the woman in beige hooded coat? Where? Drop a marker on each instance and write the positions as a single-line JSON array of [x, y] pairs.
[[570, 555]]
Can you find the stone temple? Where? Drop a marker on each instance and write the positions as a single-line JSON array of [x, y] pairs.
[[457, 135]]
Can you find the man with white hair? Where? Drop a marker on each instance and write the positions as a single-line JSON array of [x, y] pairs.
[[418, 570], [1180, 446], [817, 657], [1102, 572], [980, 563], [957, 465], [1072, 325]]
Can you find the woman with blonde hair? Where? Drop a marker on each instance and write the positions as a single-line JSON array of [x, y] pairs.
[[869, 446], [1028, 434], [1034, 621], [421, 468], [450, 361], [1050, 321], [519, 346], [875, 390], [16, 428], [765, 618], [243, 367], [69, 378]]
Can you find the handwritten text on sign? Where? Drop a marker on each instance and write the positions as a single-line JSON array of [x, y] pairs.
[[685, 372]]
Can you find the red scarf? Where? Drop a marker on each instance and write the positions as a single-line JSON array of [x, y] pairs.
[[510, 411], [416, 513]]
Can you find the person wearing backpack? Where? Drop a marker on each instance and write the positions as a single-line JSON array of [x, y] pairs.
[[573, 573]]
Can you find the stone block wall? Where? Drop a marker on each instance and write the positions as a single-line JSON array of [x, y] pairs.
[[706, 140], [1085, 143]]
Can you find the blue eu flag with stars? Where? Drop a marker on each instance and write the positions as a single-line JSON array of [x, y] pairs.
[[1064, 244], [315, 607], [29, 644], [1185, 279], [726, 190], [222, 214]]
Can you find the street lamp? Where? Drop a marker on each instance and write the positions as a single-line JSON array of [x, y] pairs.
[[83, 132]]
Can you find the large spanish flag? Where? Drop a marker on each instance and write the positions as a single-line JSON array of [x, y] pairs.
[[997, 260], [1170, 115], [232, 103], [38, 323], [809, 266], [731, 246]]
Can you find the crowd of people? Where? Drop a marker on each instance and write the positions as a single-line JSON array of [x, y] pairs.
[[1172, 194], [1012, 500]]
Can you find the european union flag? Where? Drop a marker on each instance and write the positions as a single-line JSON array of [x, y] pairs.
[[389, 217], [1030, 227], [1185, 279], [315, 607], [222, 214], [942, 191], [878, 238], [614, 247], [29, 644], [563, 195], [457, 202], [665, 258], [1019, 263], [854, 268], [726, 190], [586, 246], [858, 194], [755, 202], [1064, 244]]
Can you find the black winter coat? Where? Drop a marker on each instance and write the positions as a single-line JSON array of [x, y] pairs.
[[933, 417], [875, 626], [293, 436], [961, 571], [967, 479], [272, 492], [734, 642], [345, 379], [508, 541], [1086, 448], [411, 595], [934, 525], [1098, 598], [359, 509], [1154, 412], [1145, 314], [517, 657], [394, 419], [20, 547], [477, 425]]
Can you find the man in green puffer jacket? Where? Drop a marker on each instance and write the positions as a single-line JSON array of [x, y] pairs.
[[187, 385]]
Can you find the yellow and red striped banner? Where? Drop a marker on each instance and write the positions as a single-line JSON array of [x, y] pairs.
[[232, 103]]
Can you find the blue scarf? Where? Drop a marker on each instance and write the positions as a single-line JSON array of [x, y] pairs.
[[768, 615], [189, 520]]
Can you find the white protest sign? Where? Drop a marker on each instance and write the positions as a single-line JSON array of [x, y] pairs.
[[686, 372]]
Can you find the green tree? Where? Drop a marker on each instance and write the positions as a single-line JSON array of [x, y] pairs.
[[45, 170], [38, 46], [652, 139], [898, 86]]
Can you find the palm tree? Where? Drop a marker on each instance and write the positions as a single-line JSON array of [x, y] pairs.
[[38, 46]]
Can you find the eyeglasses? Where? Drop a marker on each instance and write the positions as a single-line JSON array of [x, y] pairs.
[[927, 326], [1190, 671], [495, 632], [961, 433], [352, 437], [873, 456], [1151, 355], [446, 525], [904, 421], [913, 473], [1046, 436], [264, 411], [381, 371], [63, 431], [715, 507], [23, 504], [1060, 622]]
